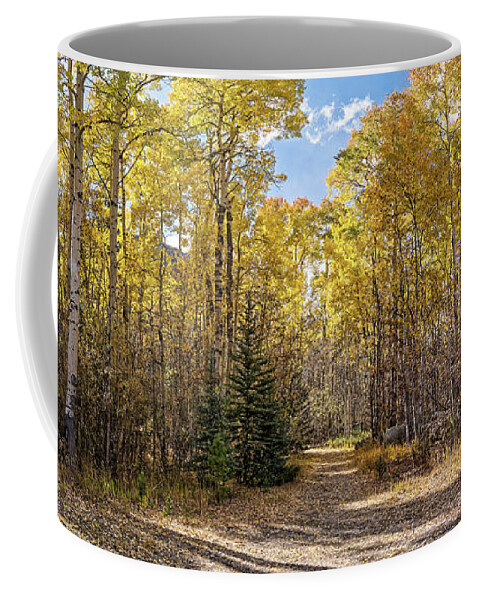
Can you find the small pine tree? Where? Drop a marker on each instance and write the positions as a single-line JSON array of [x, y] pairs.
[[210, 425], [219, 464], [260, 443]]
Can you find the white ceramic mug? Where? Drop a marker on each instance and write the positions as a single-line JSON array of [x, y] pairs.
[[259, 290]]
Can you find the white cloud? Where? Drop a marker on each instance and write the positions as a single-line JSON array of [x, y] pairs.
[[308, 111], [329, 119], [314, 136], [173, 240], [327, 110], [325, 121], [266, 137]]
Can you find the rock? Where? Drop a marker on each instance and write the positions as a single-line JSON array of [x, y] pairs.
[[395, 435]]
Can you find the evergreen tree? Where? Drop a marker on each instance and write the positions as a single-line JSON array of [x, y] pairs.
[[219, 463], [260, 443], [210, 441]]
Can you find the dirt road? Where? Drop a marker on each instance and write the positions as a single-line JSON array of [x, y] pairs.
[[332, 516]]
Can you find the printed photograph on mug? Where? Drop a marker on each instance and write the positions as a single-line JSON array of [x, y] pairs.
[[259, 315]]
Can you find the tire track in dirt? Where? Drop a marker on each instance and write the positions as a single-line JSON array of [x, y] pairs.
[[332, 516]]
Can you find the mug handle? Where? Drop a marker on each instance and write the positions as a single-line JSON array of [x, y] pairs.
[[36, 328]]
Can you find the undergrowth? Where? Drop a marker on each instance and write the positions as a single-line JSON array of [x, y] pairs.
[[175, 493], [356, 438], [382, 461], [397, 460]]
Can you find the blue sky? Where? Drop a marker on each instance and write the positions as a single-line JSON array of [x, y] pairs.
[[333, 107]]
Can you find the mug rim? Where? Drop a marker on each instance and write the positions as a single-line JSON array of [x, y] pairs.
[[66, 49]]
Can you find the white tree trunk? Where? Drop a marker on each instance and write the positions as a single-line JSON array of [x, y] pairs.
[[115, 176], [74, 310]]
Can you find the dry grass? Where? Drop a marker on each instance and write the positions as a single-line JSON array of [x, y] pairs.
[[399, 461], [381, 461], [175, 494], [351, 441]]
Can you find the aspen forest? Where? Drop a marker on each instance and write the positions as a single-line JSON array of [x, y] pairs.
[[242, 374]]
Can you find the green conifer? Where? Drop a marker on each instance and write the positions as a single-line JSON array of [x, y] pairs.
[[258, 432], [210, 423]]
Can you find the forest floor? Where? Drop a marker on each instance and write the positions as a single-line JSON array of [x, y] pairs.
[[332, 516]]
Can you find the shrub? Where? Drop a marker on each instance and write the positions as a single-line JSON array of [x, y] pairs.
[[141, 481], [356, 439], [167, 507], [219, 463], [381, 460]]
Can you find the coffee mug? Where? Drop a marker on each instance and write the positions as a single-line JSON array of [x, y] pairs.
[[259, 268]]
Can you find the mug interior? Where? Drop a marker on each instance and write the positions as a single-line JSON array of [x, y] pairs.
[[268, 44]]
